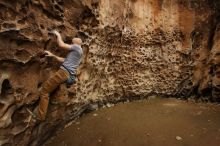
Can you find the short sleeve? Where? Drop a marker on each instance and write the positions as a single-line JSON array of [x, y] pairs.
[[74, 47]]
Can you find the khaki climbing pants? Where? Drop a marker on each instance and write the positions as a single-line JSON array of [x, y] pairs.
[[49, 86]]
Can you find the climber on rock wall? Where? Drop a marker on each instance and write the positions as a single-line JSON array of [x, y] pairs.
[[66, 73]]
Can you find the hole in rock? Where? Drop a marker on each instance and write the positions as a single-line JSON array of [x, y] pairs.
[[22, 21], [6, 86], [207, 92], [217, 54], [39, 85], [95, 5], [1, 106], [58, 8], [23, 10], [60, 2], [42, 26]]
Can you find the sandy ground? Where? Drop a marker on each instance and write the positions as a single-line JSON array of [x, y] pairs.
[[155, 122]]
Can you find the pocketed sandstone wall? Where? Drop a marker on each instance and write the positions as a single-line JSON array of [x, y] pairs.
[[132, 49], [145, 46]]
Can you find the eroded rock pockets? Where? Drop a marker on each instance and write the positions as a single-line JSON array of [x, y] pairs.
[[132, 49], [24, 34], [171, 53]]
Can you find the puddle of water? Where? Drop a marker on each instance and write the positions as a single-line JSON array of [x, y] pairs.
[[156, 122]]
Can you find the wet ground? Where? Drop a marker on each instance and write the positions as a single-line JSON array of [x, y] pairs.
[[155, 122]]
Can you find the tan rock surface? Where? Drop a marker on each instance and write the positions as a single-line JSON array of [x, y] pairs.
[[132, 49]]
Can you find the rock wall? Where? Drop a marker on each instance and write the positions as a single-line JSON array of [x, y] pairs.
[[132, 49]]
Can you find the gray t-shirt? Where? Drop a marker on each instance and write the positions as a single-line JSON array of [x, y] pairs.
[[73, 59]]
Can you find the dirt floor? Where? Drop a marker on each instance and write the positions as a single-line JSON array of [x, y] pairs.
[[155, 122]]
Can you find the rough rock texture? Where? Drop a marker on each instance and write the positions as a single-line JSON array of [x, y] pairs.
[[132, 49]]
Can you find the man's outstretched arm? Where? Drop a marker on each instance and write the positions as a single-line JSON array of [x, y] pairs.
[[60, 41], [49, 54]]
